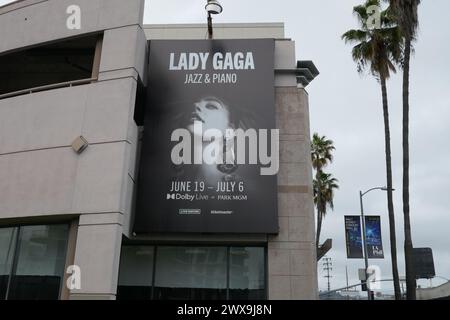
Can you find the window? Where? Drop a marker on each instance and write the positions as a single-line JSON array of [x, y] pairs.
[[184, 273], [54, 63], [7, 245], [247, 274], [192, 273], [32, 262], [136, 273]]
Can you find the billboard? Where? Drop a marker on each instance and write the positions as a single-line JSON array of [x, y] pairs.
[[353, 237], [373, 237], [209, 159], [424, 263]]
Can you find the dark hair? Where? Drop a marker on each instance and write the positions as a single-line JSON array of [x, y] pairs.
[[239, 118]]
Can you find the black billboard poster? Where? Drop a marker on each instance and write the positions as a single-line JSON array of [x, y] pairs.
[[210, 149], [423, 263], [373, 237], [353, 237]]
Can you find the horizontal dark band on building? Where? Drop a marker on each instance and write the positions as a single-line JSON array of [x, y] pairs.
[[293, 189]]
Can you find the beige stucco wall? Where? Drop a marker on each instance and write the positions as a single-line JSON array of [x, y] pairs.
[[221, 31], [29, 22], [40, 174]]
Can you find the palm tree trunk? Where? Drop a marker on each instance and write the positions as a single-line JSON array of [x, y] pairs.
[[393, 239], [409, 262]]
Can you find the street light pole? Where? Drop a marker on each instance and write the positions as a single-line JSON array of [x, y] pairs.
[[366, 258], [210, 27], [212, 7], [363, 223]]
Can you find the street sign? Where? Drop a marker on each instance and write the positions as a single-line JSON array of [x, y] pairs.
[[423, 263]]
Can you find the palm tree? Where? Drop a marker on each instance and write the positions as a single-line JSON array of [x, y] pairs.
[[321, 152], [405, 12], [324, 186], [321, 155], [379, 49]]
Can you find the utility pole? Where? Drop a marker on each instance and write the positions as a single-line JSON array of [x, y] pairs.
[[346, 275], [346, 279], [328, 266]]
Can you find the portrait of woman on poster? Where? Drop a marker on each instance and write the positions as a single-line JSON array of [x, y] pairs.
[[213, 113]]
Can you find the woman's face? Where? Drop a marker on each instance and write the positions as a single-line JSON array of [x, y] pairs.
[[212, 114]]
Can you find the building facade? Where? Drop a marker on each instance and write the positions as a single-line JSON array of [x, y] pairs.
[[63, 89]]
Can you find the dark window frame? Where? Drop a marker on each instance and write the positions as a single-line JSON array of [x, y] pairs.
[[196, 245], [93, 77], [16, 251]]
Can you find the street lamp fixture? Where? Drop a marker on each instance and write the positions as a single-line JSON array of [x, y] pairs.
[[376, 188], [363, 222], [212, 7]]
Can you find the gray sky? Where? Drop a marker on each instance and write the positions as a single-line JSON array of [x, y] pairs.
[[347, 108]]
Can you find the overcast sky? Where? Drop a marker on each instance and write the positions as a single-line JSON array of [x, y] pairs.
[[347, 108]]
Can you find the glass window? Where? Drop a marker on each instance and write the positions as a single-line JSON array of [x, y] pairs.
[[40, 255], [191, 273], [247, 274], [48, 64], [136, 273], [7, 245]]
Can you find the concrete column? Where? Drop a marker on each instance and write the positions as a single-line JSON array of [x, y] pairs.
[[292, 271], [98, 255]]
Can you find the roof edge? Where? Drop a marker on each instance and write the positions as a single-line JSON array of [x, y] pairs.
[[18, 4], [217, 25]]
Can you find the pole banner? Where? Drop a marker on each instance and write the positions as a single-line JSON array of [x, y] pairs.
[[373, 237], [353, 237]]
